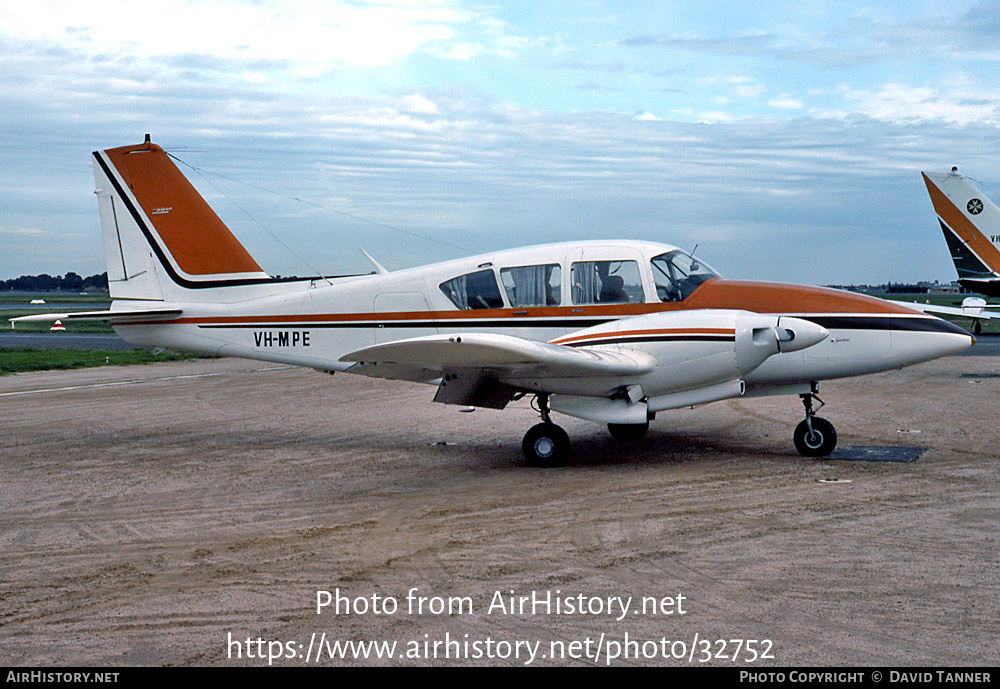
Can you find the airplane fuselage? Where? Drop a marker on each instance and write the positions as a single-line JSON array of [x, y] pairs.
[[314, 323]]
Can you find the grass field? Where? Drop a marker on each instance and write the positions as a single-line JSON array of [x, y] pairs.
[[14, 297], [60, 302], [22, 360], [87, 327]]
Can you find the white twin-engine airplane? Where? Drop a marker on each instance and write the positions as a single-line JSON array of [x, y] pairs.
[[610, 331]]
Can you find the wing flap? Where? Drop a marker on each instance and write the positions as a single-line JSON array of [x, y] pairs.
[[976, 312]]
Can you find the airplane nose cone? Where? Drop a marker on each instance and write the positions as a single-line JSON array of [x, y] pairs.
[[796, 333], [946, 345]]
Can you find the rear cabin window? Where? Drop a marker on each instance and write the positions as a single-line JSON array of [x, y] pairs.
[[606, 282], [533, 285], [474, 291]]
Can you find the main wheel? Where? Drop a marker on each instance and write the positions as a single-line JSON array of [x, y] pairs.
[[545, 445], [819, 442], [626, 432]]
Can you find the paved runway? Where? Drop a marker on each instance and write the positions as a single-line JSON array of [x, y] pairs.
[[148, 512], [986, 345]]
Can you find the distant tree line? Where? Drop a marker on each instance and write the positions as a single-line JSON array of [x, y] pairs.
[[903, 288], [70, 282]]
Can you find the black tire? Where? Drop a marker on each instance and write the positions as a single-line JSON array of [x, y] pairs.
[[820, 442], [545, 445], [977, 327], [628, 432]]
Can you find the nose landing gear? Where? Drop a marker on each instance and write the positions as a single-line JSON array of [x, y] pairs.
[[815, 436], [545, 444]]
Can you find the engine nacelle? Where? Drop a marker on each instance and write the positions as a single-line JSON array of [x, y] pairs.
[[702, 356]]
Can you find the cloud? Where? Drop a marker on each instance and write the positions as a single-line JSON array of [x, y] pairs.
[[824, 48], [402, 135], [748, 90], [463, 51], [897, 102], [785, 102], [25, 232], [417, 103], [330, 32], [757, 194], [854, 39]]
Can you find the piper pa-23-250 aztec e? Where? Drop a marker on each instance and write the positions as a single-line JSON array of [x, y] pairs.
[[610, 331]]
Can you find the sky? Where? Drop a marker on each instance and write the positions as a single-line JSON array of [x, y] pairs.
[[785, 140]]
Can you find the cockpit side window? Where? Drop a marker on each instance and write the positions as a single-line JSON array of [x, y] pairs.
[[533, 285], [606, 282], [474, 291], [676, 275]]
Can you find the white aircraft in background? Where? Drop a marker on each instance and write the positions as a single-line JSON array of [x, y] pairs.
[[971, 226], [610, 331]]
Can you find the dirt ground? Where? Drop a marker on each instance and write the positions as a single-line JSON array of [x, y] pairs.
[[147, 513]]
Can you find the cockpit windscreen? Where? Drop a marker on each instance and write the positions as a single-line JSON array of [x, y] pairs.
[[677, 274]]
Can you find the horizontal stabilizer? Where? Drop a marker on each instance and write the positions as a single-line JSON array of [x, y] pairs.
[[116, 317], [502, 353]]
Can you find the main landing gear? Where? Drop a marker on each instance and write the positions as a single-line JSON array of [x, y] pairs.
[[545, 444], [814, 437]]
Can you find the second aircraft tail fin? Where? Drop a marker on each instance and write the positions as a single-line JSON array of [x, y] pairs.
[[971, 225]]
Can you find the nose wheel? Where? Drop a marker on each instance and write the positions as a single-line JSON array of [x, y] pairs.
[[545, 444], [815, 436]]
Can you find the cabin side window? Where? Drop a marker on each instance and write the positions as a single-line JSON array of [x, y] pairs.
[[474, 291], [533, 285], [606, 282]]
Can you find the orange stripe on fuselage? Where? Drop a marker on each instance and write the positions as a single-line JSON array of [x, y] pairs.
[[198, 240], [759, 297], [962, 226]]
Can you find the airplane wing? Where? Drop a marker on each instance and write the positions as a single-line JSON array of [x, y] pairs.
[[116, 317], [470, 365], [976, 311]]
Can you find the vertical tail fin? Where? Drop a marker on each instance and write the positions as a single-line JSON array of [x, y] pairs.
[[971, 225], [161, 238]]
